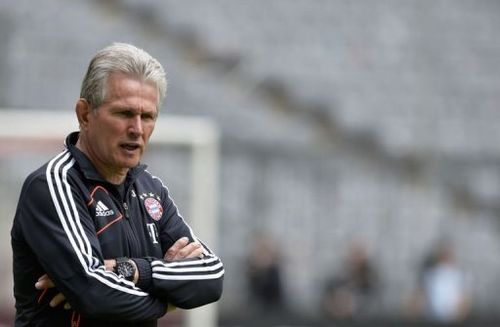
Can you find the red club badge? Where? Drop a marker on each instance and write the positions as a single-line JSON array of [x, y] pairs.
[[154, 208]]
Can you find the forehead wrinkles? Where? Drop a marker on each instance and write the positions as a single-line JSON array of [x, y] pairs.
[[130, 92]]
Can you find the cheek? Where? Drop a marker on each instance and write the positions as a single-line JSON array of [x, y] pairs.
[[111, 130], [148, 130], [104, 135]]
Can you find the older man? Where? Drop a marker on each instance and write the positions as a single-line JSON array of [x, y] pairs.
[[99, 227]]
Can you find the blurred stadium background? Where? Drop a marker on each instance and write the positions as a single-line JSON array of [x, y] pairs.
[[341, 122]]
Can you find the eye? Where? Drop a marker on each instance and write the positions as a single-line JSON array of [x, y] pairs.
[[148, 117], [125, 113]]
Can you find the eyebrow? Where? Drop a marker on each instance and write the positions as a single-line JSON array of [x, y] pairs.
[[135, 111]]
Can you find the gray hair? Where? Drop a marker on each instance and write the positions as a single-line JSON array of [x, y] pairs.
[[121, 58]]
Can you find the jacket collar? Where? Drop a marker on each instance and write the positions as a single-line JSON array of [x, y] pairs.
[[88, 169]]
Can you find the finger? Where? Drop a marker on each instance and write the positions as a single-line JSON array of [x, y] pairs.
[[67, 306], [43, 283], [110, 264], [45, 276], [198, 253], [174, 249], [192, 250], [56, 300]]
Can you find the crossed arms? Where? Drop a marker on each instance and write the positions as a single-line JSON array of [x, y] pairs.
[[54, 227], [181, 250]]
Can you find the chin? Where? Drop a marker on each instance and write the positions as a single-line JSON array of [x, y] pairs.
[[129, 163], [132, 164]]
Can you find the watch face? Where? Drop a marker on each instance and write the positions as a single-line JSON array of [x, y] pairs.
[[126, 269]]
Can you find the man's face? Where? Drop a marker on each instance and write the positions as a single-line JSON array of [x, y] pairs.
[[118, 133]]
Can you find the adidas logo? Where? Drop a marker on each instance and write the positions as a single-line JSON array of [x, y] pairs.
[[102, 211]]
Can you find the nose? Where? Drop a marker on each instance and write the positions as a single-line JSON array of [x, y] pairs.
[[135, 126]]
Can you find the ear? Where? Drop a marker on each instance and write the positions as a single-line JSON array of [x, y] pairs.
[[83, 111]]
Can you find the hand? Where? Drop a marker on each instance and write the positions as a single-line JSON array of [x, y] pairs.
[[44, 282], [182, 249], [110, 264]]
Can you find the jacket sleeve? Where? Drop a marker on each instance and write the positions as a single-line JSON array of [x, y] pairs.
[[53, 218], [186, 283]]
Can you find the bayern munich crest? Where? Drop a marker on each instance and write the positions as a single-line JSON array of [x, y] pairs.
[[154, 208]]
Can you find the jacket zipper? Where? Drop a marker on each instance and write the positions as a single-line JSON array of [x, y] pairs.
[[132, 240]]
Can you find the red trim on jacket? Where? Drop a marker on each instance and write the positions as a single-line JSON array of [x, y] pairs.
[[93, 192], [109, 224]]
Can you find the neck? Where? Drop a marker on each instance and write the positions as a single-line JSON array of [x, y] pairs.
[[114, 176]]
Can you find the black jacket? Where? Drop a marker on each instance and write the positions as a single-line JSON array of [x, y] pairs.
[[69, 219]]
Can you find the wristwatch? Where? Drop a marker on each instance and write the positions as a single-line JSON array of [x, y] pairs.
[[125, 268]]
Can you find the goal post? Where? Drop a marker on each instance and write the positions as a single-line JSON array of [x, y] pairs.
[[199, 135]]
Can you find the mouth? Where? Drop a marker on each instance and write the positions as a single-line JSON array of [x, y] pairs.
[[130, 147]]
